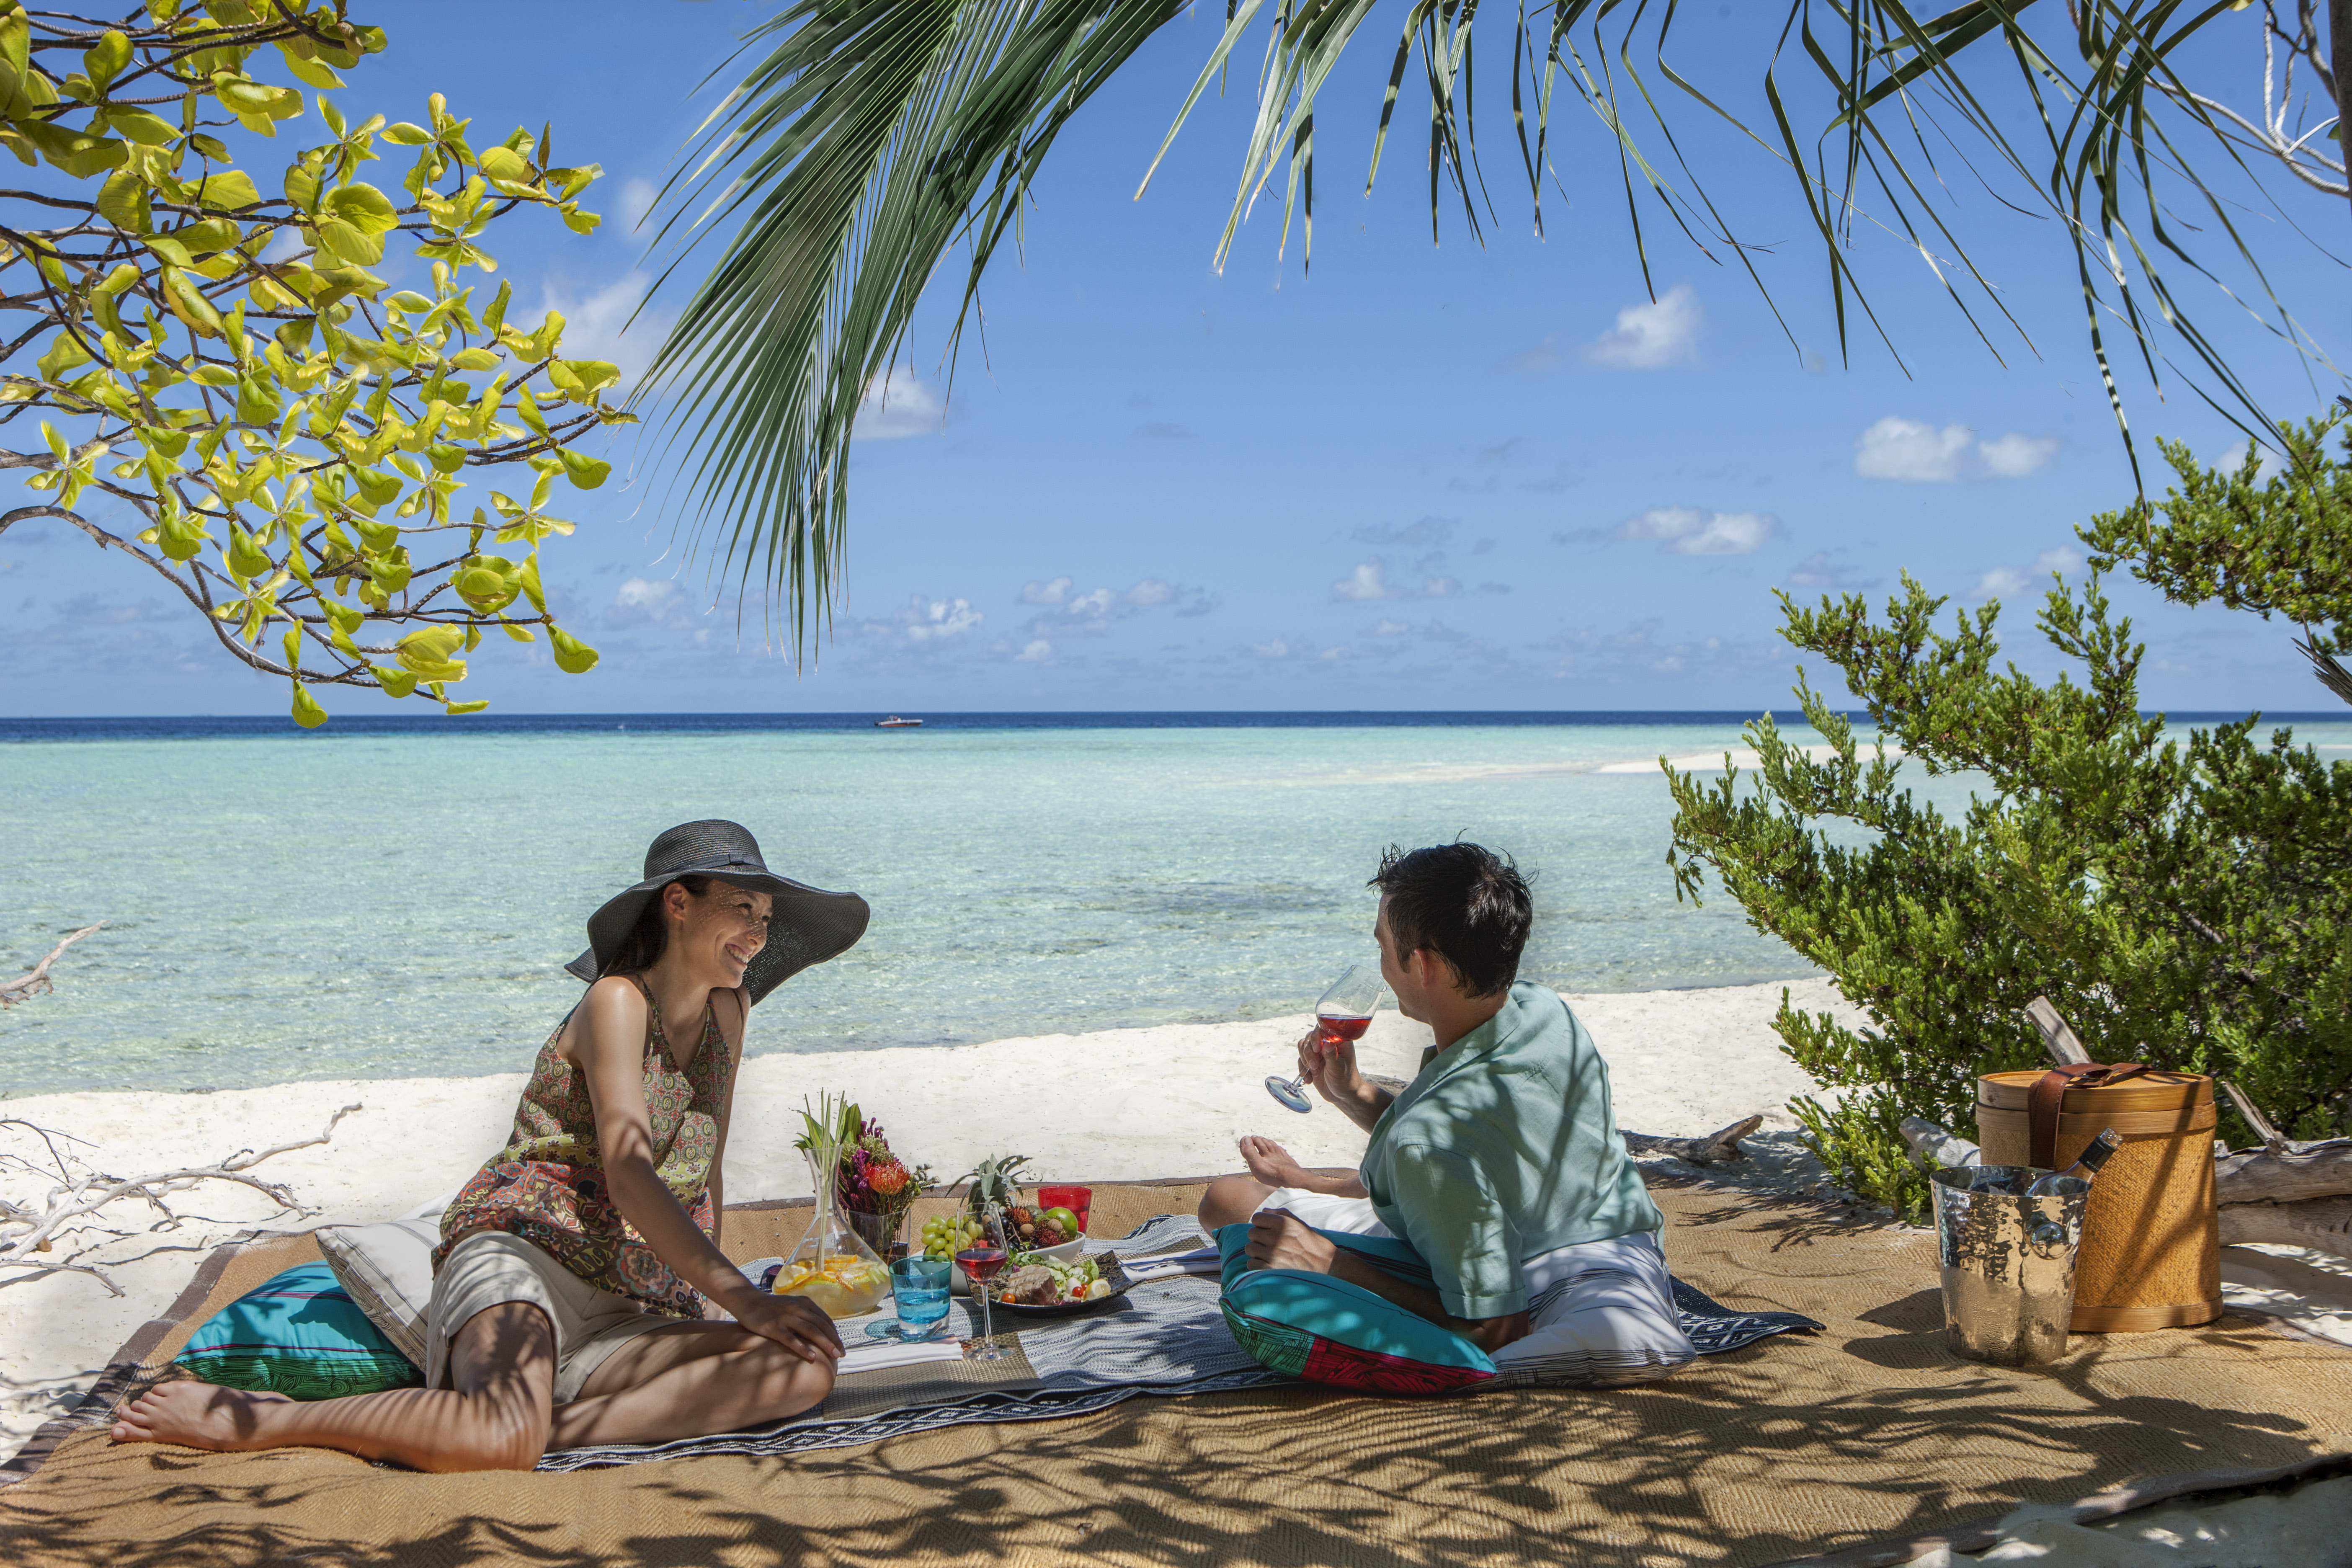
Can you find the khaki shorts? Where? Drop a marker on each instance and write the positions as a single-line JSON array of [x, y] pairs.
[[490, 1268]]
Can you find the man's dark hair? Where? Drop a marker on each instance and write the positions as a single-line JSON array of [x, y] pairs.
[[1464, 903]]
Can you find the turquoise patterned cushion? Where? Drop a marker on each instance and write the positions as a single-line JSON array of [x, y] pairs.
[[1324, 1330], [299, 1334]]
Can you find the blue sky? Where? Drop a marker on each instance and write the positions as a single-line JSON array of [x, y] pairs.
[[1459, 476]]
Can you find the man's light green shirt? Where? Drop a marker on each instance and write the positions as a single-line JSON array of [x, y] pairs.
[[1503, 1149]]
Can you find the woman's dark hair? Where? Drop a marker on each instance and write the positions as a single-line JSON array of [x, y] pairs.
[[1463, 902], [642, 948]]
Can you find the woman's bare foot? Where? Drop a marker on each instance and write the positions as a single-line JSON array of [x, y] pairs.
[[196, 1415]]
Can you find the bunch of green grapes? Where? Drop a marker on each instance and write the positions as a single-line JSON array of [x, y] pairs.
[[947, 1235]]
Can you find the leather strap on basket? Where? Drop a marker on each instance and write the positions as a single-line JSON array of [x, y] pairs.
[[2050, 1093]]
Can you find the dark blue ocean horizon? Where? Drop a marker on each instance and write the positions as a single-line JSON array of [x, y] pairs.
[[163, 727]]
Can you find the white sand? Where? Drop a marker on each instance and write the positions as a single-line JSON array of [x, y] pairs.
[[1124, 1104]]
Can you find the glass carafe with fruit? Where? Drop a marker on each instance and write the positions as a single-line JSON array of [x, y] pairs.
[[832, 1267]]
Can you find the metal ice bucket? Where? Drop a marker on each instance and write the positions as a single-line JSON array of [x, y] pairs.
[[2008, 1261]]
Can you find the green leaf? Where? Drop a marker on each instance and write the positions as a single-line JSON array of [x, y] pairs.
[[227, 188], [364, 207], [584, 471], [400, 133], [501, 163], [138, 125], [104, 60], [307, 711], [314, 72], [123, 200], [395, 682], [572, 656]]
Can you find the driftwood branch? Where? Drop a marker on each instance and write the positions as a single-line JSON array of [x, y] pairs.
[[37, 981], [79, 1191], [1932, 1145], [2323, 1223], [2271, 1136], [1714, 1149], [2057, 1037], [2286, 1175]]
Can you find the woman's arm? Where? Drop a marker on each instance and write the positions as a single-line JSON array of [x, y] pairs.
[[733, 1032], [610, 1049]]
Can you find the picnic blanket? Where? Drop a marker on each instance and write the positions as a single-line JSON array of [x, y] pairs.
[[1867, 1438], [1164, 1337]]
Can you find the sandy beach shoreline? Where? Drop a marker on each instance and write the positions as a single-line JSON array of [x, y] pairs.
[[1116, 1104], [1122, 1104]]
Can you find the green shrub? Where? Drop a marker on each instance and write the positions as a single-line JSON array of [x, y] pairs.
[[2184, 903]]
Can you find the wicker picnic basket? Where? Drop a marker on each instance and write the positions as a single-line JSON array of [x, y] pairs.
[[2151, 1250]]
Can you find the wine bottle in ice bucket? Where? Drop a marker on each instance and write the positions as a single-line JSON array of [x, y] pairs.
[[1343, 1012]]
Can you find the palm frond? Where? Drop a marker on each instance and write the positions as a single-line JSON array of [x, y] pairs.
[[874, 133], [869, 137]]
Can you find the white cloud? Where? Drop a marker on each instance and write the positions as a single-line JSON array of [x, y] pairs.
[[897, 404], [1687, 531], [636, 200], [1062, 613], [1652, 336], [2003, 582], [597, 324], [648, 601], [2018, 454], [1911, 452], [1277, 648], [1052, 593], [1149, 591], [1387, 628], [1038, 652], [936, 620], [1368, 581]]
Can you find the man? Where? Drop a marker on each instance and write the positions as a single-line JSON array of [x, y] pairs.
[[1500, 1163]]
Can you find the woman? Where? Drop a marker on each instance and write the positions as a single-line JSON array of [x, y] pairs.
[[569, 1286]]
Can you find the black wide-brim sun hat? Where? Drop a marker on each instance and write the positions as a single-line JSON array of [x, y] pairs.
[[806, 926]]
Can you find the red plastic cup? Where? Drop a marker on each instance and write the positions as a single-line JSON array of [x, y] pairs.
[[1075, 1199]]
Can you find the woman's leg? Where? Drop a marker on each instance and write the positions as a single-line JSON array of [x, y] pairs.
[[497, 1417], [687, 1380]]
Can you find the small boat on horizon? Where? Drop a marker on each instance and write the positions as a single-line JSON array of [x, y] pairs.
[[895, 722]]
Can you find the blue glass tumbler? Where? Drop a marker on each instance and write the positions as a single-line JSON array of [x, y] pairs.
[[918, 1287]]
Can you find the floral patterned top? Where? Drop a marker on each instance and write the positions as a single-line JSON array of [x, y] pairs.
[[548, 1185]]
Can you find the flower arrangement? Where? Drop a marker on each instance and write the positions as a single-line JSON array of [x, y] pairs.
[[870, 1183]]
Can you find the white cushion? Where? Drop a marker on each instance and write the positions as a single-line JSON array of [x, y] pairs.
[[388, 1270]]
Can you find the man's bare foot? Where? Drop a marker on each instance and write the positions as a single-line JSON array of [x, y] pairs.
[[195, 1416], [1270, 1162]]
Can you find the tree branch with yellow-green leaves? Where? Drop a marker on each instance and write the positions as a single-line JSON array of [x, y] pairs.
[[290, 431]]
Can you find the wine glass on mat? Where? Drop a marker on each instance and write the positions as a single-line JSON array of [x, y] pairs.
[[980, 1263], [1343, 1012]]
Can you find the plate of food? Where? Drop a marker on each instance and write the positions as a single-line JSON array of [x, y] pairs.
[[1034, 1285]]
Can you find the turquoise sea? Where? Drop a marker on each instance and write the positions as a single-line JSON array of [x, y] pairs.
[[396, 900]]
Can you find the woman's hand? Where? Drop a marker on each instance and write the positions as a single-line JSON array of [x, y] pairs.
[[795, 1323]]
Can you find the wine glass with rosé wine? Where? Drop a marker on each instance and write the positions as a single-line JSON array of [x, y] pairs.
[[980, 1263], [1343, 1012]]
